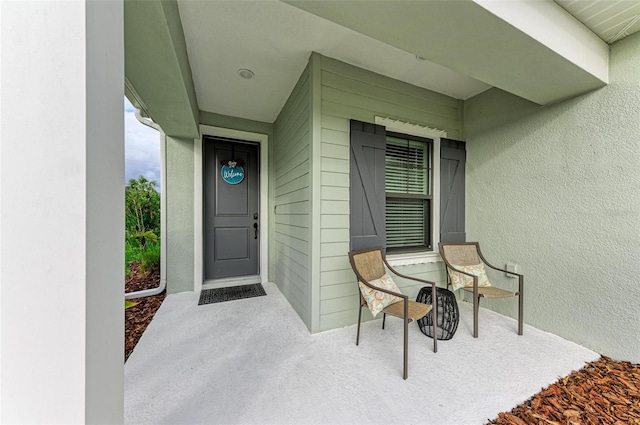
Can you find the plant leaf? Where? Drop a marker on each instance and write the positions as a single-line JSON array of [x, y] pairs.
[[128, 304]]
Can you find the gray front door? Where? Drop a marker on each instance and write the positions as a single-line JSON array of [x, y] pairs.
[[231, 207]]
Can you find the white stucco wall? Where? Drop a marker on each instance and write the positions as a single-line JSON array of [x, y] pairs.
[[61, 212], [557, 190]]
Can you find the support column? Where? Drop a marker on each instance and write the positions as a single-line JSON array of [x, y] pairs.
[[180, 214], [61, 212]]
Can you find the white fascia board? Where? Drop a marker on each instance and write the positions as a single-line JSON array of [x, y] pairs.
[[549, 24]]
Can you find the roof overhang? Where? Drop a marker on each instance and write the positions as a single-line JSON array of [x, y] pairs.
[[534, 49], [182, 56], [157, 69]]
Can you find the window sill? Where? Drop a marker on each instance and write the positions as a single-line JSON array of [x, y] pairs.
[[397, 260]]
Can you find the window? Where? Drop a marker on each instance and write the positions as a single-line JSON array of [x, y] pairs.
[[408, 192], [406, 189]]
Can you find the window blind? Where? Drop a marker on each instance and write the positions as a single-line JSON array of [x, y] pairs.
[[405, 222], [406, 169], [407, 186]]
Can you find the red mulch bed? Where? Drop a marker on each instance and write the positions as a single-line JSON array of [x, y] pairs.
[[138, 317], [603, 392]]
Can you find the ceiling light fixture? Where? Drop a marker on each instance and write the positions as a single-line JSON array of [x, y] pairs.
[[247, 74]]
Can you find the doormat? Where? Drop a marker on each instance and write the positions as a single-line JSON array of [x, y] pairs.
[[210, 296]]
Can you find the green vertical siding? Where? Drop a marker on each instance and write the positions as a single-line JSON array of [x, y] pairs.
[[348, 92], [290, 167]]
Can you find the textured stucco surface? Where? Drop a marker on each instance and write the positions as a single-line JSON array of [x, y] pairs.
[[180, 204], [556, 189]]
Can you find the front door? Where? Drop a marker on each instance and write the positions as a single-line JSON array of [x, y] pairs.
[[231, 207]]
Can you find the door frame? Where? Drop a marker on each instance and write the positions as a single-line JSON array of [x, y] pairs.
[[198, 220]]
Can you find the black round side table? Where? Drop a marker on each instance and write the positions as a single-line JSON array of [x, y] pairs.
[[448, 313]]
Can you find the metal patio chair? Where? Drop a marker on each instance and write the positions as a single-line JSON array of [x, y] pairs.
[[369, 265], [460, 258]]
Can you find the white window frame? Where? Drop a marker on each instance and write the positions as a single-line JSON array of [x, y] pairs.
[[396, 126]]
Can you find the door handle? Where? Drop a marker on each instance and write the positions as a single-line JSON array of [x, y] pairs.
[[255, 228]]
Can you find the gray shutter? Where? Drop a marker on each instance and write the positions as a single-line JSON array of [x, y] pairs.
[[367, 191], [452, 161]]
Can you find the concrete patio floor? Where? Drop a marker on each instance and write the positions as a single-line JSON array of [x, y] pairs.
[[253, 361]]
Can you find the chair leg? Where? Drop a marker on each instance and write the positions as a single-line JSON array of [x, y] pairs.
[[406, 346], [520, 305], [520, 314], [359, 319], [476, 308], [384, 318], [434, 312]]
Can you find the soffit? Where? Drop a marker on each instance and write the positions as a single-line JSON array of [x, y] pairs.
[[275, 40], [533, 49], [610, 20]]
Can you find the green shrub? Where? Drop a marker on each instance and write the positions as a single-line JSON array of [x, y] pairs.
[[146, 256], [142, 224], [142, 208], [149, 256], [131, 254]]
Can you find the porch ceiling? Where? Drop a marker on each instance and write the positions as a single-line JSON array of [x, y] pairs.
[[534, 49], [275, 40]]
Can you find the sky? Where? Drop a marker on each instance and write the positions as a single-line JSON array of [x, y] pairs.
[[141, 148]]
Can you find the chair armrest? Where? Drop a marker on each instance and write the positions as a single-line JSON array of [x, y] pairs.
[[494, 267], [518, 275], [376, 288], [502, 270], [460, 271]]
